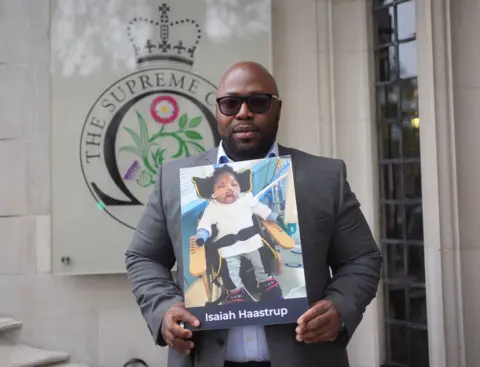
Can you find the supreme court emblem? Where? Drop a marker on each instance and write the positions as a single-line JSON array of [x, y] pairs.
[[161, 112]]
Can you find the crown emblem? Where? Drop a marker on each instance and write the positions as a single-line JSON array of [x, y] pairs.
[[164, 39]]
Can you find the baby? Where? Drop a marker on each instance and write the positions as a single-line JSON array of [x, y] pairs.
[[230, 209]]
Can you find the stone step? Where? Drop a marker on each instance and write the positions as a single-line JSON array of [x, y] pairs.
[[20, 355], [7, 323]]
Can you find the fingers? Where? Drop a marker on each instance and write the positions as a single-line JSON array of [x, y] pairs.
[[179, 332], [179, 344], [326, 333], [175, 335], [323, 327], [317, 323], [181, 314], [310, 338], [316, 310]]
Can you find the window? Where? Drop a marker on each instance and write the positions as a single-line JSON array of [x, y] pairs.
[[398, 126]]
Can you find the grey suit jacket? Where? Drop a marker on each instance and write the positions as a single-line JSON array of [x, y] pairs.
[[333, 233]]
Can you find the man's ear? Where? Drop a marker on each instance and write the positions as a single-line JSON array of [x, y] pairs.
[[245, 180], [203, 187]]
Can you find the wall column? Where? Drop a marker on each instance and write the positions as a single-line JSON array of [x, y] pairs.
[[449, 137], [341, 123]]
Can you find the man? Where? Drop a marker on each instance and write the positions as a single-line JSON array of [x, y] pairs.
[[334, 234]]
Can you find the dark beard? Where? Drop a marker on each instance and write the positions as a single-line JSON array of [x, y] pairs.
[[237, 153]]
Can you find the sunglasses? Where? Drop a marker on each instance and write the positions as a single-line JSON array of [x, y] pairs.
[[257, 103]]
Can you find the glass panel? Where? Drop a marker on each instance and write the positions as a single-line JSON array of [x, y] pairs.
[[412, 180], [409, 96], [398, 120], [384, 23], [386, 65], [406, 20], [417, 300], [416, 264], [392, 188], [393, 220], [396, 302], [411, 138], [407, 56], [419, 348], [390, 141], [398, 344], [394, 264], [388, 101], [414, 219]]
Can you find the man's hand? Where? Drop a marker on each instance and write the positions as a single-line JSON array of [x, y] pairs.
[[173, 333], [321, 323]]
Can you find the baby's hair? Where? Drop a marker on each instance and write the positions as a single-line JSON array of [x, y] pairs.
[[219, 171]]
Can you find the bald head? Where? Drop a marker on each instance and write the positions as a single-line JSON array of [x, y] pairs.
[[248, 110], [247, 72]]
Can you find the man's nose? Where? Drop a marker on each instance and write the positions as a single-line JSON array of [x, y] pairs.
[[244, 112]]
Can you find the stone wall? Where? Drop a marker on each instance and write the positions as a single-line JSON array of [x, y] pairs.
[[466, 97]]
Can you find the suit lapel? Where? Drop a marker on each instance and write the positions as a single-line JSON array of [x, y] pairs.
[[211, 156], [204, 159], [284, 151]]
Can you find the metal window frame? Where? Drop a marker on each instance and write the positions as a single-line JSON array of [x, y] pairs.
[[406, 243]]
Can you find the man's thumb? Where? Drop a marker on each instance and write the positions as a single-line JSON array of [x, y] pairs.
[[189, 318], [323, 306]]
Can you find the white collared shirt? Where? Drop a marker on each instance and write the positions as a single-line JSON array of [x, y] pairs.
[[247, 343]]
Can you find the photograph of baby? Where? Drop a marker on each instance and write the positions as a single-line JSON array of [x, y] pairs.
[[242, 257]]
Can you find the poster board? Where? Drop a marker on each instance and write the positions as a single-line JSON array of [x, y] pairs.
[[242, 262], [132, 87]]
